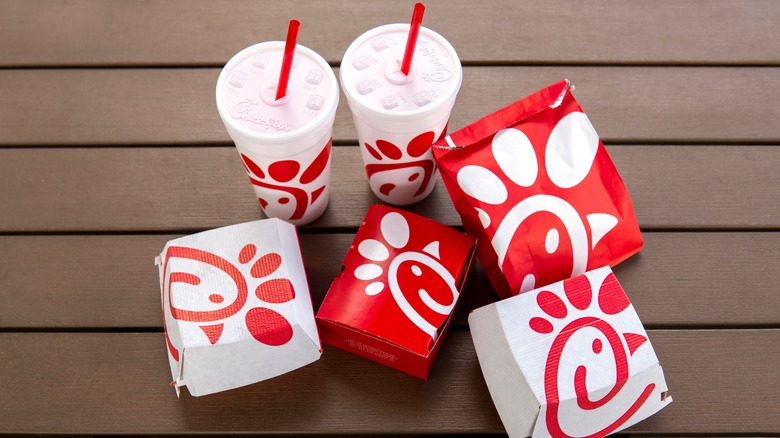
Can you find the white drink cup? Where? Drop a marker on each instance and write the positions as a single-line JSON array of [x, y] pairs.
[[398, 117], [285, 145]]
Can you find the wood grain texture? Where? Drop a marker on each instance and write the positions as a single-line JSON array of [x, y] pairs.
[[95, 32], [177, 106], [110, 145], [87, 378], [98, 282], [176, 189]]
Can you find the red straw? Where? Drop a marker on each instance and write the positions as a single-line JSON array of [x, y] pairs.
[[411, 41], [289, 52]]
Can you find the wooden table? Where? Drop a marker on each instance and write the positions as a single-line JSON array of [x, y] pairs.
[[110, 145]]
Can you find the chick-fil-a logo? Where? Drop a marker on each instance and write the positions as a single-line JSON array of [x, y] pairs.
[[243, 111], [577, 315], [423, 288], [284, 189], [541, 206], [211, 306]]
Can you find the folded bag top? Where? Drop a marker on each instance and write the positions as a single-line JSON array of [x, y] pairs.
[[536, 187]]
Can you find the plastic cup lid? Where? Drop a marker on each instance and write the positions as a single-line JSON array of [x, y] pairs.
[[246, 92], [371, 72]]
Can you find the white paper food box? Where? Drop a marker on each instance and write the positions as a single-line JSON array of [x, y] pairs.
[[568, 359], [236, 306]]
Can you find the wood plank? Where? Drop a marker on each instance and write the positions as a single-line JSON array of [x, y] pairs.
[[179, 189], [88, 377], [92, 32], [679, 279], [176, 106]]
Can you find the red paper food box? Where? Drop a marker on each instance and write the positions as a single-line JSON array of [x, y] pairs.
[[399, 284], [536, 187], [236, 306], [568, 360]]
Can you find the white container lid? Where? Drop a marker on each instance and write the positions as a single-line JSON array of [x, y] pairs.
[[246, 91], [371, 76]]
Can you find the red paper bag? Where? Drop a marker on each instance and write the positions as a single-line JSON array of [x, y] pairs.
[[536, 187]]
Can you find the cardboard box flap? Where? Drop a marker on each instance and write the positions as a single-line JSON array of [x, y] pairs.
[[244, 363], [295, 271], [387, 343], [608, 409], [515, 401]]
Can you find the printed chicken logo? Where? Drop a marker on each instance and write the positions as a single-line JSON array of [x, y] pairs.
[[596, 346], [547, 196], [211, 292], [284, 190], [401, 175], [411, 271], [535, 185]]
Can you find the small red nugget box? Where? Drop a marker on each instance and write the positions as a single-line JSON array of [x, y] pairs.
[[399, 284]]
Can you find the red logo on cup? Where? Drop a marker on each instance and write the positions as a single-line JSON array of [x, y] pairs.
[[211, 305], [390, 175], [283, 186]]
